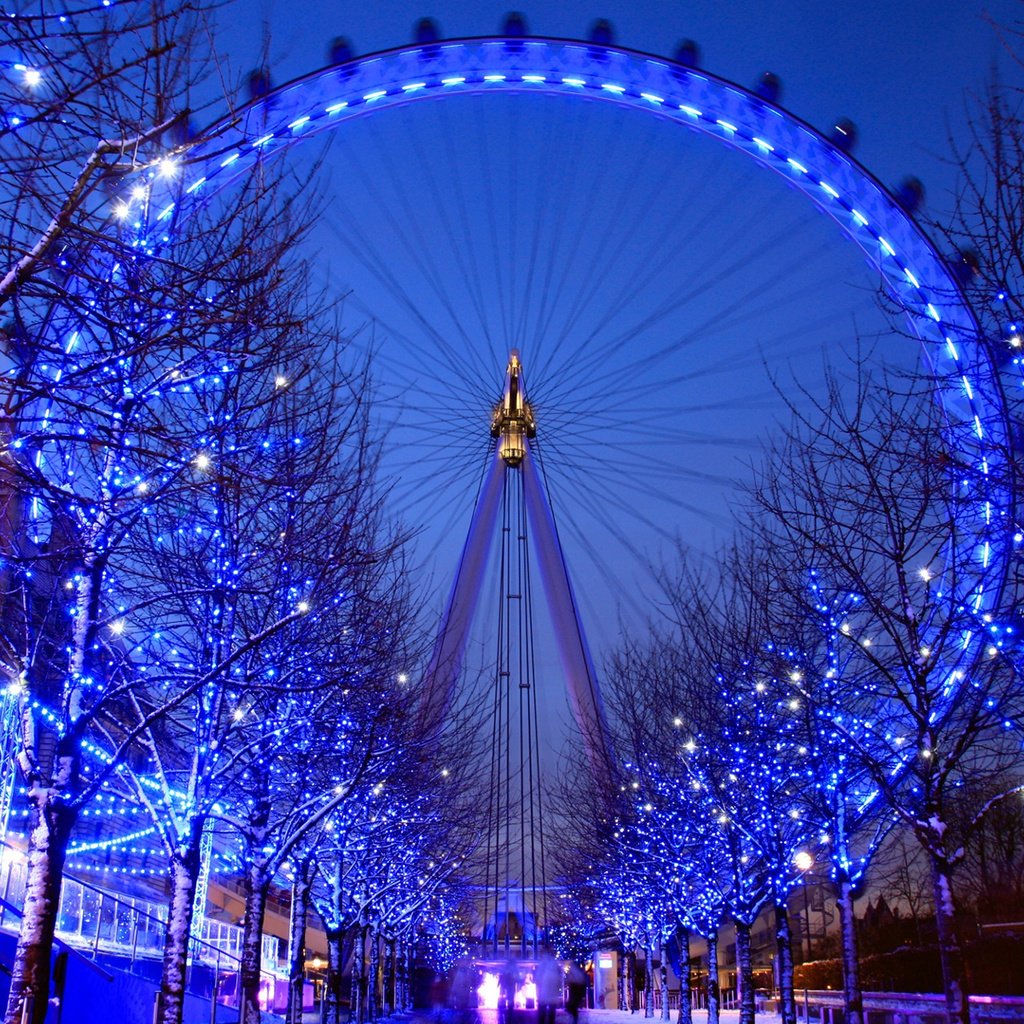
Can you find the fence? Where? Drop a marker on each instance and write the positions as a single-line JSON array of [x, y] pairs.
[[129, 932], [728, 999], [826, 1007]]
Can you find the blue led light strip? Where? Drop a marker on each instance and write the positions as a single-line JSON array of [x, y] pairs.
[[914, 272]]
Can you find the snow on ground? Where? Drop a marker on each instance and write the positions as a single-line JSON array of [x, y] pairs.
[[625, 1017], [603, 1017]]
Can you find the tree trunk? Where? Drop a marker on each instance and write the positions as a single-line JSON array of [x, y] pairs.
[[784, 958], [409, 970], [388, 997], [663, 978], [358, 998], [332, 986], [648, 981], [631, 982], [256, 886], [50, 829], [954, 973], [714, 995], [744, 973], [373, 978], [297, 943], [685, 974], [402, 1001], [853, 999], [620, 981], [183, 874], [398, 974]]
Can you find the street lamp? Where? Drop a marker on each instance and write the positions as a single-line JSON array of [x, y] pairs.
[[803, 862]]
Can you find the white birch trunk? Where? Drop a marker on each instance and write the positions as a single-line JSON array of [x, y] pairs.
[[620, 981], [853, 999], [648, 981], [666, 1013], [744, 973], [183, 874], [256, 885], [47, 846], [784, 958], [358, 998], [387, 999], [951, 956], [372, 978], [685, 976], [714, 994], [297, 944], [332, 1012], [404, 979], [401, 977]]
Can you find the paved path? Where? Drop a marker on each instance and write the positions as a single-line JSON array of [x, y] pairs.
[[586, 1017], [625, 1017]]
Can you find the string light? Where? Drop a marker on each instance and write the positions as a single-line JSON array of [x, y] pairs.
[[732, 749]]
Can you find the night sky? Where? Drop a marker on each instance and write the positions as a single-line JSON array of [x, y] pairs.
[[668, 296], [900, 71]]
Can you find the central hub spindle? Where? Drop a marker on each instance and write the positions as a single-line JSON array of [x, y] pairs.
[[512, 421]]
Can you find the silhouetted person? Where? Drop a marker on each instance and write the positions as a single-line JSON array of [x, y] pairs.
[[439, 996], [549, 988], [508, 980], [462, 992], [576, 982]]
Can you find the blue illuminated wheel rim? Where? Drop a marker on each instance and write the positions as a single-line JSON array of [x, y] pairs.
[[914, 273]]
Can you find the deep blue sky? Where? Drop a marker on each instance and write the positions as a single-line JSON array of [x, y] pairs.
[[907, 74], [899, 70]]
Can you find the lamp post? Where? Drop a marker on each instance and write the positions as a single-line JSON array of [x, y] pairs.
[[803, 862]]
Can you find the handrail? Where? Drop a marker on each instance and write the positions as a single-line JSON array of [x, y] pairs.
[[118, 900], [834, 997], [213, 953], [65, 946], [909, 1006]]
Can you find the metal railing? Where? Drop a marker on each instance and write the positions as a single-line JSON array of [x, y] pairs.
[[728, 999], [129, 931], [826, 1007]]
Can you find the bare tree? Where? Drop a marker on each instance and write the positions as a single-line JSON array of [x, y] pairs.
[[92, 95], [792, 653], [248, 599], [386, 861], [866, 494], [900, 875], [667, 865], [324, 717], [99, 335], [92, 453]]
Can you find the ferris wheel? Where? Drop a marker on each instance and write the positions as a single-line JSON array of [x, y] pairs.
[[607, 214], [666, 252]]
